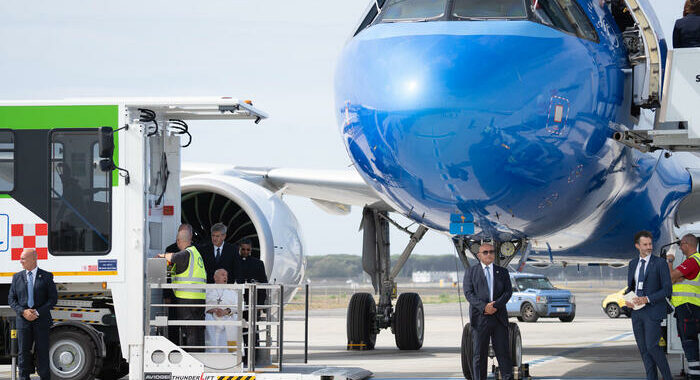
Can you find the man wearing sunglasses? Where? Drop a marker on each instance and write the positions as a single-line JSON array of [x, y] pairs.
[[487, 287]]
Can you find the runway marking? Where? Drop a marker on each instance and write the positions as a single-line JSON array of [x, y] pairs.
[[564, 353]]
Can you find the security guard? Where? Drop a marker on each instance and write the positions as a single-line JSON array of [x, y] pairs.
[[189, 269], [686, 300]]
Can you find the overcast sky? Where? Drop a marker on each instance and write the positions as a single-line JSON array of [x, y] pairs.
[[280, 54]]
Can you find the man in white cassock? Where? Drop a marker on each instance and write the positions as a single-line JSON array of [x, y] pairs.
[[221, 335]]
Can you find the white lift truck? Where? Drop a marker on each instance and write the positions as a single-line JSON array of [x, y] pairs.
[[94, 186]]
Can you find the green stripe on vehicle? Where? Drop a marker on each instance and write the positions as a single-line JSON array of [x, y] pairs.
[[52, 117]]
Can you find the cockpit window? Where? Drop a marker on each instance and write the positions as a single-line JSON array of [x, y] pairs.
[[470, 9], [565, 15], [411, 10]]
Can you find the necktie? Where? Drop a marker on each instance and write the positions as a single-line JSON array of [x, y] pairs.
[[30, 290], [218, 253], [489, 280], [640, 278]]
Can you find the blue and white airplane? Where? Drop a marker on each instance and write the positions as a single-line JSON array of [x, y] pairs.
[[492, 120]]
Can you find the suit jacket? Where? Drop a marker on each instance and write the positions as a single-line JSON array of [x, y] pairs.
[[686, 32], [657, 285], [476, 290], [229, 260], [45, 295], [253, 270]]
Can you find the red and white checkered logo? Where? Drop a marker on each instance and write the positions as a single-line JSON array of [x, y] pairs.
[[30, 236]]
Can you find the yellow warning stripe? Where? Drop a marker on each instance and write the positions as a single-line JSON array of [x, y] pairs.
[[86, 273], [235, 377], [81, 310], [84, 321], [79, 295]]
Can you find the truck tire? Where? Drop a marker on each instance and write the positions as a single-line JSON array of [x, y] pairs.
[[409, 323], [515, 343], [528, 313], [568, 318], [613, 310], [73, 355], [466, 351], [362, 312]]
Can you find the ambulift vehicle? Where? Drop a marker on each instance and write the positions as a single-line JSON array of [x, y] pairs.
[[94, 186]]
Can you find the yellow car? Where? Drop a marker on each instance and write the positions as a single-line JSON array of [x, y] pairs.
[[614, 304]]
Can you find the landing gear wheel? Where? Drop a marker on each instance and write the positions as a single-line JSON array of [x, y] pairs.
[[73, 355], [613, 310], [466, 351], [568, 318], [409, 324], [362, 311], [528, 313], [515, 343]]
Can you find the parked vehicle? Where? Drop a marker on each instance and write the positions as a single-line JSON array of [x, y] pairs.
[[614, 305], [535, 297]]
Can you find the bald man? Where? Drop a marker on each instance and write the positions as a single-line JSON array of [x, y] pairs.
[[32, 296], [686, 299]]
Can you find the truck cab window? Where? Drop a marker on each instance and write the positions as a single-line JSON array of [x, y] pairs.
[[7, 161], [412, 10], [80, 195]]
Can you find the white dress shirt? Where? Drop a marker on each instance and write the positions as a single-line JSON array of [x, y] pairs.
[[640, 285], [221, 251], [483, 268]]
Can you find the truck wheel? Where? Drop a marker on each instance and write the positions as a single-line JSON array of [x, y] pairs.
[[72, 355], [409, 323], [466, 351], [612, 310], [568, 318], [528, 313], [362, 311], [515, 343]]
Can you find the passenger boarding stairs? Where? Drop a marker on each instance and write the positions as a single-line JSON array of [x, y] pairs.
[[677, 125]]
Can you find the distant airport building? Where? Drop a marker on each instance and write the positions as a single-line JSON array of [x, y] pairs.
[[435, 276]]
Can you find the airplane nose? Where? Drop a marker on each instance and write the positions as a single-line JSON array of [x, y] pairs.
[[457, 117]]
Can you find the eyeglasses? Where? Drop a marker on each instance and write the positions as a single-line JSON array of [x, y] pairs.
[[491, 252]]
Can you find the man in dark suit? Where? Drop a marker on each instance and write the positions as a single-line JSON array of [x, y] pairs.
[[487, 287], [252, 271], [220, 254], [32, 296], [686, 32], [649, 277]]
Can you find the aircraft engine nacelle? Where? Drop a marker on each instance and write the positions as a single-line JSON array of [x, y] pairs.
[[249, 211]]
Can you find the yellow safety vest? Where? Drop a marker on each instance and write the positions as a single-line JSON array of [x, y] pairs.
[[194, 274], [687, 291]]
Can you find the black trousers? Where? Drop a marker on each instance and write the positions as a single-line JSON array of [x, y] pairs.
[[191, 335], [35, 334], [688, 324], [490, 330]]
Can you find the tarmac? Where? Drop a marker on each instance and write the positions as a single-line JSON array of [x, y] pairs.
[[593, 346]]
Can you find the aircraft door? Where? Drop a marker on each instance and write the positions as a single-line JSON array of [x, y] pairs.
[[647, 49]]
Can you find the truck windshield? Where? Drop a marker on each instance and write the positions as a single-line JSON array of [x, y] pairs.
[[469, 9], [411, 10], [534, 283]]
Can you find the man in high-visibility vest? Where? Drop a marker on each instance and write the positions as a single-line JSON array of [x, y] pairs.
[[686, 300], [188, 267]]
